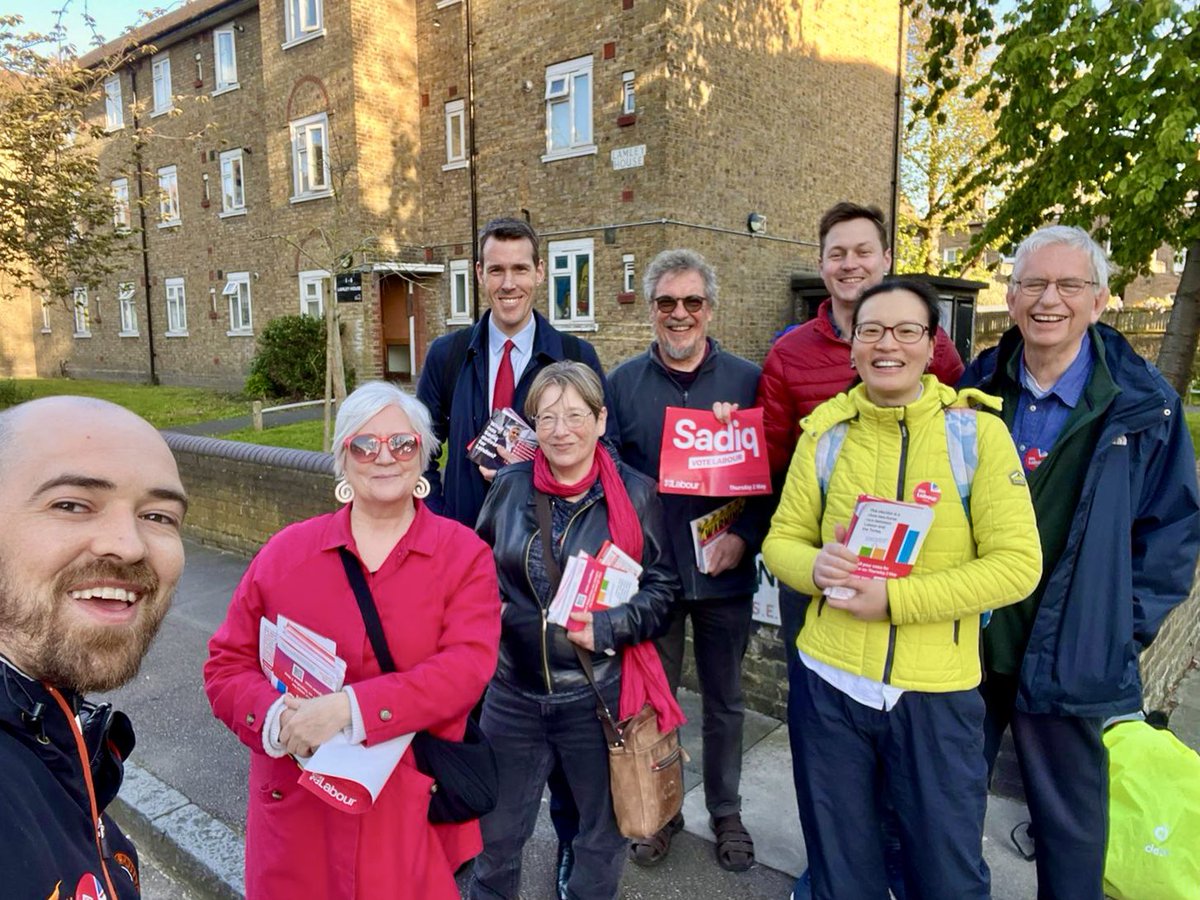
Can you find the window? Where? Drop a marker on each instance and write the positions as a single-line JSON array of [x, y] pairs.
[[237, 289], [1179, 262], [128, 310], [305, 20], [456, 135], [628, 102], [460, 292], [168, 197], [569, 109], [114, 113], [627, 273], [951, 255], [176, 308], [233, 188], [225, 60], [46, 315], [120, 195], [313, 286], [160, 67], [571, 282], [310, 158], [82, 318]]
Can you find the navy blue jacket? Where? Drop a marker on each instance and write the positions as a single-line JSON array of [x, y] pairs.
[[1130, 554], [642, 389], [459, 491]]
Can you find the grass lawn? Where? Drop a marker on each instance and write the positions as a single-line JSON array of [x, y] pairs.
[[1193, 420], [161, 406], [297, 436]]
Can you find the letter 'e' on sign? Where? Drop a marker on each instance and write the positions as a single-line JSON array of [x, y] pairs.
[[629, 157]]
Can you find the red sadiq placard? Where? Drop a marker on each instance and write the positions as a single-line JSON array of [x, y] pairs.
[[703, 457]]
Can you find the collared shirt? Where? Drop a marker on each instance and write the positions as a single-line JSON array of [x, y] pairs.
[[1042, 412], [522, 352]]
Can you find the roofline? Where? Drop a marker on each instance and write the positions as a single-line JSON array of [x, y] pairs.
[[171, 28]]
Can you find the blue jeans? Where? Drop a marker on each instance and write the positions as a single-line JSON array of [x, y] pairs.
[[530, 735]]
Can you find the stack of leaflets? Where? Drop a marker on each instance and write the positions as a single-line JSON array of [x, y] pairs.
[[507, 430], [591, 583], [303, 663], [886, 535], [709, 530]]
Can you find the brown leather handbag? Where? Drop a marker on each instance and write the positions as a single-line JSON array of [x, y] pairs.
[[645, 766]]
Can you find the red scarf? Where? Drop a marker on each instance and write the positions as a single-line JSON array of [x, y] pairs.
[[642, 677]]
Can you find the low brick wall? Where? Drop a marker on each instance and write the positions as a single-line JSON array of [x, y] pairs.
[[241, 494]]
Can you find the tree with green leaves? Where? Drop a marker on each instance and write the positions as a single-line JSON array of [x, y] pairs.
[[1096, 125]]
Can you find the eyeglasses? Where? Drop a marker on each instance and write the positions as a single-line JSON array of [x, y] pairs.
[[547, 422], [365, 447], [1066, 287], [904, 332], [667, 304]]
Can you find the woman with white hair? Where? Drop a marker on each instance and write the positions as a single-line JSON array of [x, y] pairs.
[[433, 583]]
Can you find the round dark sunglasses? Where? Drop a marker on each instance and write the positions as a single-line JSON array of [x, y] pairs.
[[667, 304]]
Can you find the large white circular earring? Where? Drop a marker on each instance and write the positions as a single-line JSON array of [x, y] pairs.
[[342, 491], [422, 488]]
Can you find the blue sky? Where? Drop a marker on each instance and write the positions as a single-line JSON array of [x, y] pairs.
[[112, 16]]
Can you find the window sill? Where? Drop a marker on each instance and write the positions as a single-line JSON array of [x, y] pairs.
[[626, 119], [45, 331], [569, 325], [460, 320], [571, 153], [442, 4], [82, 334], [240, 332], [113, 129], [172, 224], [176, 334], [232, 214], [225, 90], [457, 164], [303, 39], [316, 195], [131, 334], [155, 113]]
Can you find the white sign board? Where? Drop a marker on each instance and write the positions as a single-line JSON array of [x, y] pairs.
[[766, 598], [629, 157]]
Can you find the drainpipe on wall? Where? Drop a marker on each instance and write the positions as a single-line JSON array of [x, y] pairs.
[[473, 161], [144, 247]]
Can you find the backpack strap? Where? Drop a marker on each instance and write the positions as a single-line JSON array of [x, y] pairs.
[[962, 444], [829, 445]]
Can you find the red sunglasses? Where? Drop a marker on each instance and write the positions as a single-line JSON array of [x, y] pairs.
[[365, 447]]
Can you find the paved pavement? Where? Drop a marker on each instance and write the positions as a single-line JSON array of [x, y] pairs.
[[185, 793], [218, 427]]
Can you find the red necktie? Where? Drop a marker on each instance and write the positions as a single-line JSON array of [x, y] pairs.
[[502, 393]]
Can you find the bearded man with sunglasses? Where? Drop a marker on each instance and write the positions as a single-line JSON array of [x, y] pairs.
[[685, 367], [1109, 461], [90, 553]]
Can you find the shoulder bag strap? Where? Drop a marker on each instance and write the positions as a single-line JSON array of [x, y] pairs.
[[366, 606], [611, 732]]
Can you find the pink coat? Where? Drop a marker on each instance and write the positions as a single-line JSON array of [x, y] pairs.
[[440, 606]]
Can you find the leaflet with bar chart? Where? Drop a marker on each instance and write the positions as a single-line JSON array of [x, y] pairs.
[[886, 535]]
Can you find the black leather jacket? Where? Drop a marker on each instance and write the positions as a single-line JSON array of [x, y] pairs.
[[535, 656]]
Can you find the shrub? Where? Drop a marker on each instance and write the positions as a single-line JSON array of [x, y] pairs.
[[13, 392], [290, 361]]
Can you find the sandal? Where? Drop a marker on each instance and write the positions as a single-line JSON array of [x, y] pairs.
[[735, 849], [651, 851]]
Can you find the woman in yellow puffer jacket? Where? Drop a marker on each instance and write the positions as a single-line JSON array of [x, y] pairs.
[[885, 696]]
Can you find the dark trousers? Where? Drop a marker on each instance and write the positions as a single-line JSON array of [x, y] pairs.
[[531, 735], [792, 606], [720, 635], [1064, 767], [926, 754]]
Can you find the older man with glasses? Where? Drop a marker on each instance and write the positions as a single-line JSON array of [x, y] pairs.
[[685, 367], [1111, 470]]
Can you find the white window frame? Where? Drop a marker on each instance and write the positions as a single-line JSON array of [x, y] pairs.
[[176, 307], [456, 127], [951, 255], [127, 309], [628, 96], [239, 325], [1179, 261], [168, 197], [302, 132], [114, 110], [628, 278], [563, 88], [301, 23], [121, 210], [442, 4], [570, 252], [460, 292], [160, 76], [309, 279], [233, 191], [82, 314], [225, 78], [46, 315]]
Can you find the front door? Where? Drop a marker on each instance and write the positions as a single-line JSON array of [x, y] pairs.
[[398, 313]]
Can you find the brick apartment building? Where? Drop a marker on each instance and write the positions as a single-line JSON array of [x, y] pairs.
[[619, 127]]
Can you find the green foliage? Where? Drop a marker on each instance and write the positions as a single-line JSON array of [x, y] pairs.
[[290, 362], [14, 392]]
